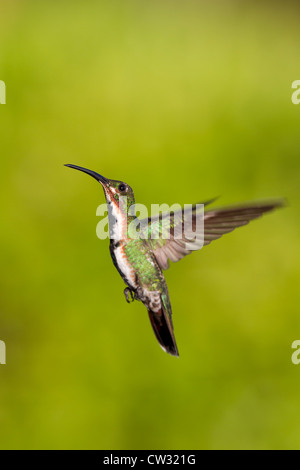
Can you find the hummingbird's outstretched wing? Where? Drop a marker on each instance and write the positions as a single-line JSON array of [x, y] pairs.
[[217, 222]]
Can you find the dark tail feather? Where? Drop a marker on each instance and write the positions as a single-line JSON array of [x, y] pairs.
[[163, 330]]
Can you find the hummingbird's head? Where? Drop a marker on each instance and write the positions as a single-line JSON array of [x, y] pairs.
[[113, 189]]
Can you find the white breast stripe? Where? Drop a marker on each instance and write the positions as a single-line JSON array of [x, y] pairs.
[[124, 266], [116, 221]]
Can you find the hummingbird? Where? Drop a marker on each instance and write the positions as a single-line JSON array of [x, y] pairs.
[[141, 261]]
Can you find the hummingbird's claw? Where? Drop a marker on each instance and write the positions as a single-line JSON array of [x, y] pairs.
[[127, 292]]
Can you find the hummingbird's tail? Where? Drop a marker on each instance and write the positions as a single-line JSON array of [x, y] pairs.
[[162, 325]]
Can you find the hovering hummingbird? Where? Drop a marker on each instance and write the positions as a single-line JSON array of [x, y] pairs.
[[141, 261]]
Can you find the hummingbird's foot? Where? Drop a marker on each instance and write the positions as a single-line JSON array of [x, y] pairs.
[[129, 292]]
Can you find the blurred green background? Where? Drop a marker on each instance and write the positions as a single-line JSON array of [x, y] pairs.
[[184, 100]]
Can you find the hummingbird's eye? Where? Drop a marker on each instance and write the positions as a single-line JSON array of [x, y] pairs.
[[122, 187]]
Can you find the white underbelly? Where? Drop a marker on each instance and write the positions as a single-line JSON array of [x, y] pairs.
[[124, 266]]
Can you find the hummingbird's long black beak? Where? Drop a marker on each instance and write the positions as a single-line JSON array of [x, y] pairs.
[[95, 175]]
